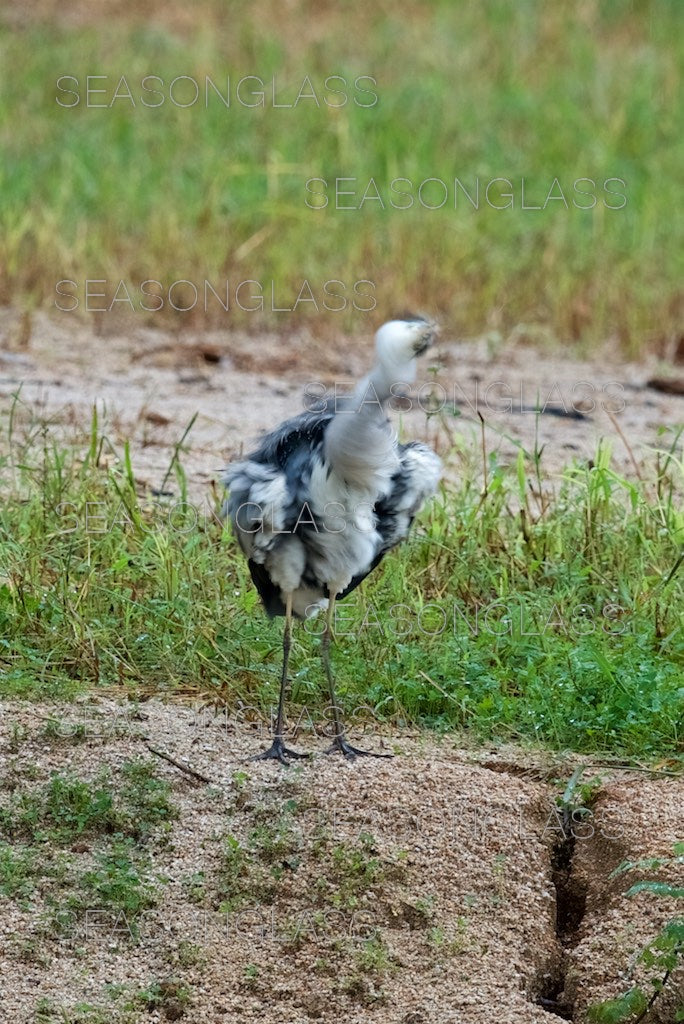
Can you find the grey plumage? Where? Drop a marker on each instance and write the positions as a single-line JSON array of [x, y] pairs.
[[327, 494]]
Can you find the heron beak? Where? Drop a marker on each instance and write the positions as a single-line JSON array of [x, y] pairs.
[[422, 344]]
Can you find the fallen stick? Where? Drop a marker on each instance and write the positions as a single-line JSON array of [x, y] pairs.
[[179, 764], [668, 385]]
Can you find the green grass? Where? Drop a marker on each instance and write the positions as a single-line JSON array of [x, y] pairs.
[[549, 615], [48, 1012], [252, 870], [67, 808], [124, 1004], [62, 810], [19, 868], [77, 853], [258, 870], [531, 91], [118, 883]]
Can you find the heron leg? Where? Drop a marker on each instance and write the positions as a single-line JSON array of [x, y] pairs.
[[340, 742], [278, 751]]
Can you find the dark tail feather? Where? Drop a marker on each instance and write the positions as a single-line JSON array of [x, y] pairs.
[[268, 592]]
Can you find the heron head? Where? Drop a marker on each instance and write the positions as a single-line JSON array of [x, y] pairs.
[[400, 341]]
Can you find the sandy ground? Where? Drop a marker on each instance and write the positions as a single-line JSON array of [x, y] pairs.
[[464, 903], [148, 384]]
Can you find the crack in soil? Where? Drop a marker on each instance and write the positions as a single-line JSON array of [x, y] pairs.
[[571, 898], [570, 908]]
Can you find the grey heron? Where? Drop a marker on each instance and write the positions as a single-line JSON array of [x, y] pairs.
[[325, 496]]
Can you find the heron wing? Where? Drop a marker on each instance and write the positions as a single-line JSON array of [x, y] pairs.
[[416, 479], [269, 488]]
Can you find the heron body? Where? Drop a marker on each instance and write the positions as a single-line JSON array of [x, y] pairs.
[[327, 494]]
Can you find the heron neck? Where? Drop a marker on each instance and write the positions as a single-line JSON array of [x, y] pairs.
[[376, 387]]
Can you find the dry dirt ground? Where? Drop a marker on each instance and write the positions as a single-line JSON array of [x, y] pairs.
[[149, 383], [455, 921], [422, 889]]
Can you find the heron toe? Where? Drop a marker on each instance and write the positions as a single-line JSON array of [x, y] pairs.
[[279, 752], [342, 744]]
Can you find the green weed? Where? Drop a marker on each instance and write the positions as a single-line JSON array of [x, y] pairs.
[[663, 955]]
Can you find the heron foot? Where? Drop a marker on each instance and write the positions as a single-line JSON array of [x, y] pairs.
[[342, 744], [279, 752]]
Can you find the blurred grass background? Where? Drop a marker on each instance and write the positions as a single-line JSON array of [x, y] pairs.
[[531, 90]]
